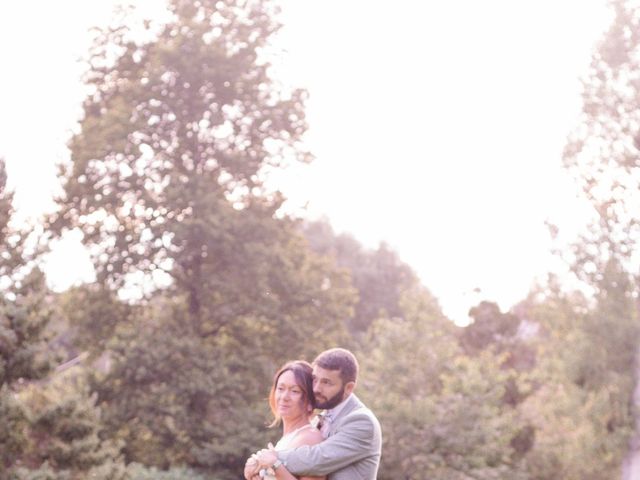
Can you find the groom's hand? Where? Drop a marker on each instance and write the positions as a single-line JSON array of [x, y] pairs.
[[267, 456], [251, 468]]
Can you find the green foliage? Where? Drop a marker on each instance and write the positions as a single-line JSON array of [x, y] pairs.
[[503, 335], [14, 263], [11, 240], [24, 314], [613, 326], [6, 198], [46, 472], [70, 429], [13, 425], [175, 397], [90, 315], [65, 432], [43, 435], [23, 349], [574, 437], [603, 156], [174, 142], [167, 184], [137, 471], [43, 472], [490, 327], [264, 271], [183, 390], [442, 413], [580, 403], [599, 339], [379, 276], [602, 153]]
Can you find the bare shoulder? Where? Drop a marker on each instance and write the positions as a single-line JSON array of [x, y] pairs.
[[310, 436]]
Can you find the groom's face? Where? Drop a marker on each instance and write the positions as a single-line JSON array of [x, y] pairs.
[[328, 387]]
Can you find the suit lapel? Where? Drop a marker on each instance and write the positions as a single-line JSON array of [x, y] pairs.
[[351, 404]]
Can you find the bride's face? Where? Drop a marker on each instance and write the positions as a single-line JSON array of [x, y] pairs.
[[289, 396]]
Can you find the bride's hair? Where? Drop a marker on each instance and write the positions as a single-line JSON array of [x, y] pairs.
[[302, 372]]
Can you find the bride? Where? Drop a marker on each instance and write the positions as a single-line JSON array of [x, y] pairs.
[[292, 402]]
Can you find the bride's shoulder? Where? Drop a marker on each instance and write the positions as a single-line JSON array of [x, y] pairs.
[[309, 436]]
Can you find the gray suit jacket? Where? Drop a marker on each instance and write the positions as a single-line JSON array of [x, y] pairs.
[[351, 451]]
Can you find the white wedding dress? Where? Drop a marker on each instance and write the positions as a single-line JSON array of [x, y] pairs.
[[285, 443], [287, 440]]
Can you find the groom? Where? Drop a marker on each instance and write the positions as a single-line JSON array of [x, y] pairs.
[[353, 442]]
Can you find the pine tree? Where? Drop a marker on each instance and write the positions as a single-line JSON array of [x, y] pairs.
[[23, 317]]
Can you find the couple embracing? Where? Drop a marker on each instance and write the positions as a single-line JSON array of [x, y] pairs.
[[342, 443]]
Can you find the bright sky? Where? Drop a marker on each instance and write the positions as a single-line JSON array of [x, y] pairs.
[[437, 126]]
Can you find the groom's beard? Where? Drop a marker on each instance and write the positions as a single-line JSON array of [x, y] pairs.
[[332, 402]]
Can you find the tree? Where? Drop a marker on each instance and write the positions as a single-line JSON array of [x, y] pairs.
[[5, 203], [66, 433], [603, 154], [167, 173], [50, 443], [442, 413], [11, 240], [49, 438], [87, 318], [578, 406], [177, 397], [24, 357], [167, 184], [23, 318], [175, 139], [490, 327], [379, 276]]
